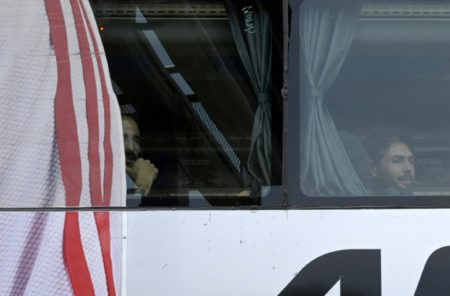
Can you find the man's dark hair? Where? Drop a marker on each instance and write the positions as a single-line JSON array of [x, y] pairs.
[[129, 111], [380, 139]]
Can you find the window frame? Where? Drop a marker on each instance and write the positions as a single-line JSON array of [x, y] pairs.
[[296, 199]]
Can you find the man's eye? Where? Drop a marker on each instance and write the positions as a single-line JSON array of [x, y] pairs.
[[396, 159]]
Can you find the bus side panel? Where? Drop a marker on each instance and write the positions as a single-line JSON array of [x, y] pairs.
[[262, 252]]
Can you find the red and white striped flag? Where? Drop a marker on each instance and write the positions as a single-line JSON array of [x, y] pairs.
[[61, 146]]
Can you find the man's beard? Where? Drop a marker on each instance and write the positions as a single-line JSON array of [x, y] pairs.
[[407, 177], [130, 158]]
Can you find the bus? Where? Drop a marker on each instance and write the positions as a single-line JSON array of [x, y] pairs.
[[294, 147]]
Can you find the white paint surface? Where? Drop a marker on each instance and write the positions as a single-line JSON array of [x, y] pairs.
[[335, 290], [259, 252]]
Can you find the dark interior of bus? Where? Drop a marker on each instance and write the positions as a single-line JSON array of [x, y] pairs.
[[187, 146]]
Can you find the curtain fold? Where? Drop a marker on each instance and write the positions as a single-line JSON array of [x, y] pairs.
[[326, 29], [252, 32]]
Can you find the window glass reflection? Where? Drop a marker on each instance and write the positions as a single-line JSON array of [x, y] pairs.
[[198, 82], [373, 94]]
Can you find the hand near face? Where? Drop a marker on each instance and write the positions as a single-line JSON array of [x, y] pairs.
[[244, 193], [143, 172]]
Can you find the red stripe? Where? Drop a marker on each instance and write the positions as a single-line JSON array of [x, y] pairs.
[[69, 153], [66, 126], [104, 234], [76, 264], [91, 106], [107, 183], [102, 218], [103, 226]]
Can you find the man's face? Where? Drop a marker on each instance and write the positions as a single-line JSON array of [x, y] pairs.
[[396, 167], [131, 138]]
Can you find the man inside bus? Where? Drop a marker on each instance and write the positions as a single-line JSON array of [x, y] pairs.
[[141, 171], [392, 161]]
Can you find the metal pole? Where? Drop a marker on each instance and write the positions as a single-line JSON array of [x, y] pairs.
[[284, 94]]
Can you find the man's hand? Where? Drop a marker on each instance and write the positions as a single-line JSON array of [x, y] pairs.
[[143, 173]]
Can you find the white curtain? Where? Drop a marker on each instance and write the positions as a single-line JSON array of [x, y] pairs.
[[326, 30]]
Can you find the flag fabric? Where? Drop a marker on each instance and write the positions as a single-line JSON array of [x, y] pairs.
[[33, 262], [61, 146], [60, 128]]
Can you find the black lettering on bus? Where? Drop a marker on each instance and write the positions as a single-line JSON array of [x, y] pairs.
[[358, 270], [435, 279]]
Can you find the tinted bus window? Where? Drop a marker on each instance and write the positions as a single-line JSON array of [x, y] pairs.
[[199, 87], [370, 82]]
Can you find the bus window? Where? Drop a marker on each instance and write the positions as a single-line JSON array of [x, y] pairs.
[[370, 81], [199, 87]]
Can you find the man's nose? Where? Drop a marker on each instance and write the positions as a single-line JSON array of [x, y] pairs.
[[408, 166]]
